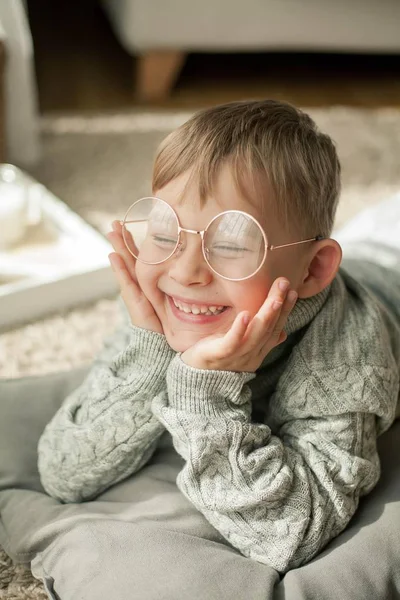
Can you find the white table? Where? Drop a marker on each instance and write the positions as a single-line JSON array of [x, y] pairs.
[[60, 263]]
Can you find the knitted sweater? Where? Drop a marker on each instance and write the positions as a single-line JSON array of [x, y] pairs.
[[275, 460]]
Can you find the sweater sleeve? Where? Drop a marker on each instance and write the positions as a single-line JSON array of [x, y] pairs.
[[105, 431], [279, 499]]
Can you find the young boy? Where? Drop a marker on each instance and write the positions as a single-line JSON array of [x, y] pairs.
[[272, 369]]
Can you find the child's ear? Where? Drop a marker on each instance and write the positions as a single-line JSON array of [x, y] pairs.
[[324, 263]]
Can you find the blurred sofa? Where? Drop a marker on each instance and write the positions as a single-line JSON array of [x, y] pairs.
[[161, 32]]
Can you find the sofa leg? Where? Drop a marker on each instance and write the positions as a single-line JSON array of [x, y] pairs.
[[156, 73]]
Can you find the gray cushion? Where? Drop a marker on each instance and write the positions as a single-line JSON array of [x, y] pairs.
[[143, 539]]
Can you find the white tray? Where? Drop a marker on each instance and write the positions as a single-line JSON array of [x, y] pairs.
[[62, 262]]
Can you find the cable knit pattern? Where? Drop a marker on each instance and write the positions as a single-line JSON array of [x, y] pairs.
[[275, 460], [105, 431], [279, 490]]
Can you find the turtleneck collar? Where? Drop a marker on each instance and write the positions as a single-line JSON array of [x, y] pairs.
[[302, 314]]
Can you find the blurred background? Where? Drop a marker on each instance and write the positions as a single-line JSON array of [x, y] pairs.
[[89, 88], [113, 54], [123, 55]]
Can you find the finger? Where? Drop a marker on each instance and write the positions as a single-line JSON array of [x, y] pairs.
[[130, 291], [139, 307], [282, 337], [284, 313], [264, 322], [232, 340], [115, 238], [279, 335], [125, 235]]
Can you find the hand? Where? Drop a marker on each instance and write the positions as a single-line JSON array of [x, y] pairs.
[[245, 345], [122, 262]]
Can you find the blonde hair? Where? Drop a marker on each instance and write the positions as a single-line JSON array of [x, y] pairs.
[[274, 150]]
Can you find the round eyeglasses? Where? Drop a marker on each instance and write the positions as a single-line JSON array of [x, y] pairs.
[[234, 245]]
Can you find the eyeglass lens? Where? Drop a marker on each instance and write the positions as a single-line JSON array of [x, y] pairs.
[[234, 243]]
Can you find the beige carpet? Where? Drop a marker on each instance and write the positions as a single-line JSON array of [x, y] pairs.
[[99, 165]]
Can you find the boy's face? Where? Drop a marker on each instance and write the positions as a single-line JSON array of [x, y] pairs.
[[186, 276]]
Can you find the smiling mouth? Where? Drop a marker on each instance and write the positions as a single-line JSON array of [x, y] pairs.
[[198, 309]]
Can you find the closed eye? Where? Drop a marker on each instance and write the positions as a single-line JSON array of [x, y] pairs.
[[163, 240], [230, 248]]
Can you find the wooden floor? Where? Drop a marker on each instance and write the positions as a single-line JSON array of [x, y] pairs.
[[80, 66]]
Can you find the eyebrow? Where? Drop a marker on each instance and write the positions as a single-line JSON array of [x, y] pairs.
[[238, 224]]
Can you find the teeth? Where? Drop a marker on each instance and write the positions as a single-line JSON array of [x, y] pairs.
[[196, 310]]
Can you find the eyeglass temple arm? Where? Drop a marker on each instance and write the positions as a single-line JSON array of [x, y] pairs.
[[134, 221], [314, 239]]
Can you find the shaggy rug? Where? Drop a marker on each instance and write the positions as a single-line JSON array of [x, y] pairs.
[[99, 165]]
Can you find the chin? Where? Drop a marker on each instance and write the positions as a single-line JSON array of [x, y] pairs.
[[181, 341]]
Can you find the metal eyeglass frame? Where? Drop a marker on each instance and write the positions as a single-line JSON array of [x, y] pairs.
[[178, 246]]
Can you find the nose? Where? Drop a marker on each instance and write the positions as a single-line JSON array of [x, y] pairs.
[[187, 266]]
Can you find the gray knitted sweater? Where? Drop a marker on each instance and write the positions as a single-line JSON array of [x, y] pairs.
[[275, 460]]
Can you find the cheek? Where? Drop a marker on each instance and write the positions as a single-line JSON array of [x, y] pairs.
[[254, 301], [147, 277], [249, 295]]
